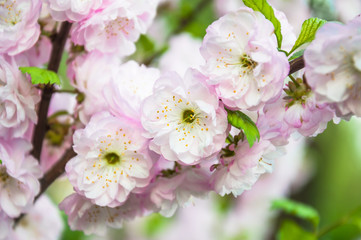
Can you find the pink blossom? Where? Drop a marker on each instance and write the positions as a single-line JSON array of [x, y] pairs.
[[112, 160], [116, 27], [125, 92], [19, 173], [17, 100], [84, 215], [178, 191], [5, 226], [242, 60], [19, 29], [38, 55], [239, 172], [271, 123], [42, 222], [184, 118], [90, 73], [72, 10], [333, 67], [309, 117]]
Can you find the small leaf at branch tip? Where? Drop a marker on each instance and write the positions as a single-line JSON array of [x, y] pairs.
[[296, 55], [243, 122], [308, 32], [41, 76], [263, 7]]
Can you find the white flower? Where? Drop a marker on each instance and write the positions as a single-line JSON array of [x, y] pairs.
[[125, 93], [17, 100], [242, 60], [333, 67], [239, 172], [184, 118], [42, 222], [19, 175], [169, 193], [112, 160]]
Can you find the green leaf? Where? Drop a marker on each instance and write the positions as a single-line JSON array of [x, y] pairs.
[[308, 32], [297, 209], [243, 122], [296, 55], [41, 76], [290, 230], [1, 162], [263, 7]]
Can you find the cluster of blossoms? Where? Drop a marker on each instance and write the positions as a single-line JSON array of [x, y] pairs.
[[149, 140]]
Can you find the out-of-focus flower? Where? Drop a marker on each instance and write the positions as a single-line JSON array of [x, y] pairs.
[[184, 118], [42, 222], [309, 117], [38, 55], [239, 172], [242, 60], [90, 218], [171, 193], [125, 93], [112, 160], [19, 29], [19, 173], [72, 10], [116, 27], [89, 74], [333, 67], [5, 226], [177, 59], [17, 100]]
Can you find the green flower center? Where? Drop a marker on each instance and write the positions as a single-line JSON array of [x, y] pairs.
[[188, 116], [112, 158], [247, 62]]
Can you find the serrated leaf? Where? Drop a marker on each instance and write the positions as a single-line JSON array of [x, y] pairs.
[[243, 122], [290, 230], [41, 76], [308, 32], [296, 55], [263, 7], [297, 209]]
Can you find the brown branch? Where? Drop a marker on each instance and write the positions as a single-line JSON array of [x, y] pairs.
[[55, 172], [56, 54], [296, 64]]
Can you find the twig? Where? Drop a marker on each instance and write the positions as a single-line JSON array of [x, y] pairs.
[[56, 54], [297, 64]]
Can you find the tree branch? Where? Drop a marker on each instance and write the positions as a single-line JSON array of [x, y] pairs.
[[296, 64], [56, 54]]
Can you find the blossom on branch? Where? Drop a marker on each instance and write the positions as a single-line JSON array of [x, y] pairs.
[[333, 66], [19, 29], [184, 118], [115, 27], [112, 160], [19, 173], [242, 60]]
